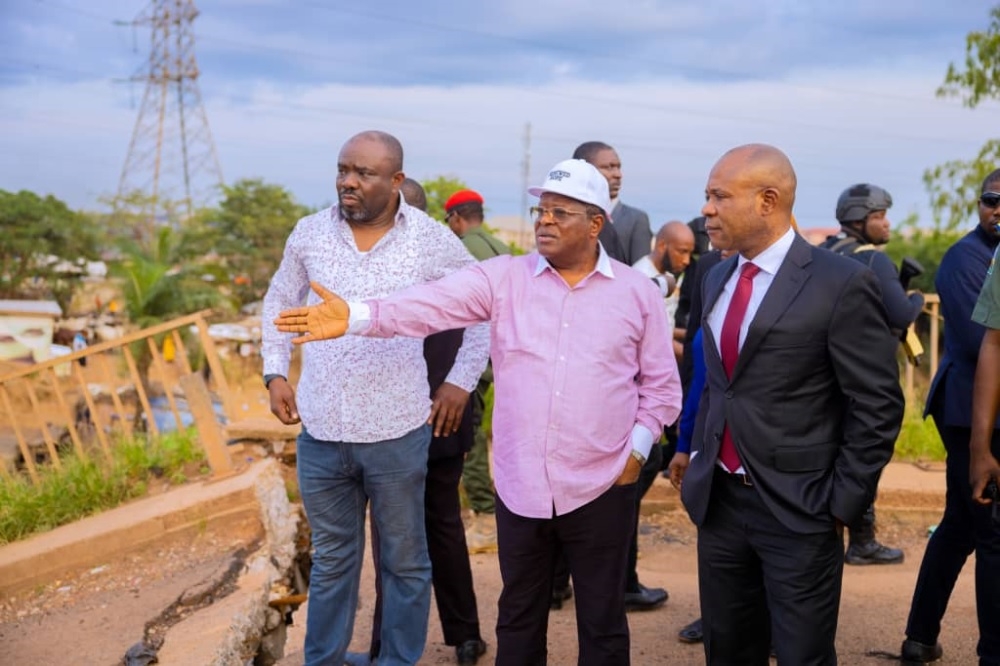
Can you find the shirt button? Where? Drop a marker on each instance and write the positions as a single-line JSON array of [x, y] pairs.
[[558, 394], [565, 324], [562, 358]]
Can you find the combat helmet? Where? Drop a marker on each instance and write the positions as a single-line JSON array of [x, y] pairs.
[[857, 201]]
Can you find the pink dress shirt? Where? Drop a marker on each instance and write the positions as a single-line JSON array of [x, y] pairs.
[[582, 374]]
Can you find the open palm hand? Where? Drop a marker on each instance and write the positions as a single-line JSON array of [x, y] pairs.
[[321, 321]]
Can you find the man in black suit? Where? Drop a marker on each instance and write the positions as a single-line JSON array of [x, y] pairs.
[[965, 523], [801, 410], [630, 225]]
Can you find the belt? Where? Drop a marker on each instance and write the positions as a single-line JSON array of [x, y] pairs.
[[739, 478]]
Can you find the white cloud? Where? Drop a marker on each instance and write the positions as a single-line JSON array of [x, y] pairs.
[[70, 140]]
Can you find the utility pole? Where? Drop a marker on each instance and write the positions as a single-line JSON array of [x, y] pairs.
[[525, 184], [171, 157]]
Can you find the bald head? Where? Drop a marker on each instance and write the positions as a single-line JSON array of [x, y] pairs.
[[675, 231], [414, 194], [766, 166], [369, 174], [673, 247], [393, 148], [749, 199]]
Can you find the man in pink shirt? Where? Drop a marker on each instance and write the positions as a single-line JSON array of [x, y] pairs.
[[585, 380]]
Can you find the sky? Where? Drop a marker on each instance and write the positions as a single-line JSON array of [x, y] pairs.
[[846, 89]]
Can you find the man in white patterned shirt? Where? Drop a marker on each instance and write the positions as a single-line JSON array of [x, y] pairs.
[[363, 402]]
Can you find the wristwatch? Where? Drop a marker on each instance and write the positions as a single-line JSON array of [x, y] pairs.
[[268, 378], [641, 459]]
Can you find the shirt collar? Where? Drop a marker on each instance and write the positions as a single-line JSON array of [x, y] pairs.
[[770, 259], [603, 264]]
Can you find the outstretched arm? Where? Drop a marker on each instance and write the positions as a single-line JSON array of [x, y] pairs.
[[458, 300]]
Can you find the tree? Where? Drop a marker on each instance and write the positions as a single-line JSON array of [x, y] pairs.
[[159, 282], [43, 246], [134, 217], [954, 185], [438, 190], [247, 232], [981, 78], [925, 245]]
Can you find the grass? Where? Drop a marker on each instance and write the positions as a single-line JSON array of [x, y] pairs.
[[918, 438], [84, 487]]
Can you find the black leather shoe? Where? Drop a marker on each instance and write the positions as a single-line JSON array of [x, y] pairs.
[[469, 652], [559, 596], [692, 633], [646, 598], [917, 653], [872, 552]]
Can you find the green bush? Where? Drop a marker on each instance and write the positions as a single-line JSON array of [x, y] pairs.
[[918, 438], [85, 487]]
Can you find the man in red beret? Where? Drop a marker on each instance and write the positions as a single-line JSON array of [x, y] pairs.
[[464, 215]]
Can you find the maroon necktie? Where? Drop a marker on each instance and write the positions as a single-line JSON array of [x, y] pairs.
[[730, 346]]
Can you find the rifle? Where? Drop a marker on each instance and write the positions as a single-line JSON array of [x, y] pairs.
[[910, 268]]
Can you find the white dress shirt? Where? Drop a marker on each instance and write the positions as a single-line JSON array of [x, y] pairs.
[[768, 261]]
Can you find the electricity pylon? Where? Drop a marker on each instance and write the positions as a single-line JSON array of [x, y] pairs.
[[171, 157]]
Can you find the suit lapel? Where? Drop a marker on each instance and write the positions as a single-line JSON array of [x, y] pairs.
[[714, 282], [787, 283]]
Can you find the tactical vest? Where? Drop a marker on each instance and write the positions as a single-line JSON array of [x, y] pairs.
[[849, 246]]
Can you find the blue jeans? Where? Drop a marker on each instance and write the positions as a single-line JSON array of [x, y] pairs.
[[336, 480]]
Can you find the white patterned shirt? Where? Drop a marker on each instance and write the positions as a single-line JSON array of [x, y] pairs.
[[357, 389]]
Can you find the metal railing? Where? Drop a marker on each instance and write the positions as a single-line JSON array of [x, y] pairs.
[[38, 397]]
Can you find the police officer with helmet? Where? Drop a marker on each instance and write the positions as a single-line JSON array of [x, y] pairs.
[[864, 228]]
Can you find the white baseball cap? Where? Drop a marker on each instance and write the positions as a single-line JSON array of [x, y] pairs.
[[580, 180]]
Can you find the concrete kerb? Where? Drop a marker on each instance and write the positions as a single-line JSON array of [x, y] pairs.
[[230, 630], [92, 540]]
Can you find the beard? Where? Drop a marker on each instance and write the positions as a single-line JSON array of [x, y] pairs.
[[358, 212]]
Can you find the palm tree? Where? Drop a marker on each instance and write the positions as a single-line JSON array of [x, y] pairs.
[[160, 283]]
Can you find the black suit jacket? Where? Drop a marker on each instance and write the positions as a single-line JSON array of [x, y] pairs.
[[612, 244], [814, 404], [633, 230]]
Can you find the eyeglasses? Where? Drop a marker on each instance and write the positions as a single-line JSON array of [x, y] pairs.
[[559, 215], [990, 199]]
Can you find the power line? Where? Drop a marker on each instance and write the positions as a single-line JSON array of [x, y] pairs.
[[171, 156]]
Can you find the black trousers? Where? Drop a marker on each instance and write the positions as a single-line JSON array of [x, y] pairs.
[[451, 573], [965, 527], [595, 540], [760, 582], [650, 469]]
